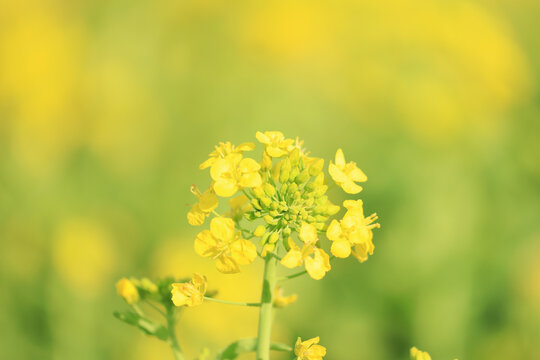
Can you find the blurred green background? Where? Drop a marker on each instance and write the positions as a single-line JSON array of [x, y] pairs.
[[108, 107]]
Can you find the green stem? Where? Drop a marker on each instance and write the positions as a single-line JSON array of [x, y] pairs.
[[231, 302], [265, 314], [173, 341], [292, 276]]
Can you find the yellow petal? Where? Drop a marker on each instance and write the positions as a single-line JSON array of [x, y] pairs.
[[340, 158], [222, 228], [226, 187], [221, 168], [178, 298], [336, 174], [341, 249], [205, 244], [318, 265], [275, 151], [248, 165], [334, 230], [207, 163], [292, 259], [249, 180], [263, 138], [195, 216], [208, 201], [243, 251], [248, 146], [227, 265], [350, 187], [308, 233], [355, 174]]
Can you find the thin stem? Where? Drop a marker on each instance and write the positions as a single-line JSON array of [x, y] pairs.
[[265, 314], [292, 276], [232, 302], [153, 306], [173, 341]]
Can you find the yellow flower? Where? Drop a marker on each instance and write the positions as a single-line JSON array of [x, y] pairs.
[[239, 205], [127, 291], [309, 350], [225, 246], [224, 150], [346, 174], [190, 293], [233, 173], [419, 355], [316, 260], [208, 201], [281, 301], [275, 143], [353, 233]]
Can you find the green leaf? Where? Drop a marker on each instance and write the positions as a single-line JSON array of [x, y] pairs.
[[147, 326], [236, 348]]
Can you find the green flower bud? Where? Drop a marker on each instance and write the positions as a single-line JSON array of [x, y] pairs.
[[274, 205], [310, 186], [316, 167], [294, 156], [269, 190], [320, 226], [250, 216], [302, 177], [257, 214], [283, 222], [270, 220], [258, 191], [292, 188], [285, 243], [287, 232], [273, 238], [256, 204], [267, 248], [264, 239], [259, 231], [293, 174], [285, 170], [265, 202], [319, 179]]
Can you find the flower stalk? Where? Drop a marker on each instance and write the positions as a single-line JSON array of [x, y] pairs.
[[265, 314]]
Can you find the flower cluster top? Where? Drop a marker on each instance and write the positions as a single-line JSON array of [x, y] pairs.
[[282, 201]]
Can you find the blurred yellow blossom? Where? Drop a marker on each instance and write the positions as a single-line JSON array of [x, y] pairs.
[[239, 205], [275, 143], [83, 255], [353, 232], [208, 201], [224, 245], [225, 149], [281, 301], [190, 293], [127, 290], [419, 354], [316, 260], [346, 175], [309, 349], [234, 173]]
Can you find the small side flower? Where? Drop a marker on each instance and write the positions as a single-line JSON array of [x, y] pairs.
[[190, 293], [128, 291], [309, 349], [346, 175]]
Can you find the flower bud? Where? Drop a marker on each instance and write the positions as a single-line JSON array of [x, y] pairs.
[[285, 170], [259, 192], [316, 167], [270, 220], [269, 190], [320, 191], [273, 213], [274, 205], [266, 162], [255, 203], [310, 186], [259, 231], [319, 179], [273, 238], [294, 156], [284, 189], [297, 195], [320, 226], [292, 188], [265, 202], [293, 174], [302, 177], [149, 285], [287, 232]]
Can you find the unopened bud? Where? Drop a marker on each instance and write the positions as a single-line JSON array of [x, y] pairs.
[[273, 238], [265, 202], [269, 190], [316, 167], [294, 156], [319, 179], [302, 177], [293, 174], [255, 203], [259, 231], [259, 192]]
